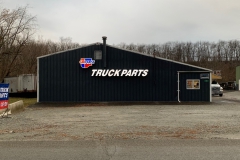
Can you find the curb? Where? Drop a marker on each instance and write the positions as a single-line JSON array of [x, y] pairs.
[[14, 107]]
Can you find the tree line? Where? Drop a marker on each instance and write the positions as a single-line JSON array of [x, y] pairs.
[[223, 55], [19, 50]]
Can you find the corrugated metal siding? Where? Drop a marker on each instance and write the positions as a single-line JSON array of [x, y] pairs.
[[62, 79], [202, 94]]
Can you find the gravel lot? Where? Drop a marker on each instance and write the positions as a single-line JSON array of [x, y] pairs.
[[220, 119]]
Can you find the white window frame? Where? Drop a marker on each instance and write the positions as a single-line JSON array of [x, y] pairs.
[[193, 81]]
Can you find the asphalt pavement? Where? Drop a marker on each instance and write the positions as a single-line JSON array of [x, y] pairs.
[[21, 133], [122, 149], [229, 97]]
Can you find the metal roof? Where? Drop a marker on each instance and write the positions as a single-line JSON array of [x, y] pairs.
[[98, 43]]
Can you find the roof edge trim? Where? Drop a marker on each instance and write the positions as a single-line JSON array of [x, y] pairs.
[[162, 58], [97, 43]]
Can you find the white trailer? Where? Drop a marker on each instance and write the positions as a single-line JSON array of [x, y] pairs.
[[22, 83], [13, 84]]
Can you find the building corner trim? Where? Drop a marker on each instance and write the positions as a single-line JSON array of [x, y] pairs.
[[37, 79]]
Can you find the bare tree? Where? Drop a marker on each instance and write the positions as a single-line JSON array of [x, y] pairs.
[[66, 43], [16, 29]]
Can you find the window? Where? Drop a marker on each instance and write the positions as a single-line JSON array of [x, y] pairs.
[[193, 84], [98, 55]]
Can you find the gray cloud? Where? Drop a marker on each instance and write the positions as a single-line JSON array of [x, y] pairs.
[[135, 21]]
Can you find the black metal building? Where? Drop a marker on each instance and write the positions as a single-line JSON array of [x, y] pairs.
[[103, 73]]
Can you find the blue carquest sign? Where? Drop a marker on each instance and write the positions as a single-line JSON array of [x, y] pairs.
[[4, 95], [86, 62]]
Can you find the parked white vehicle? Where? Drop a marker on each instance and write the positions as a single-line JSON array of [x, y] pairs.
[[217, 89]]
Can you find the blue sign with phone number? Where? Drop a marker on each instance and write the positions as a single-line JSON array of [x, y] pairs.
[[4, 88]]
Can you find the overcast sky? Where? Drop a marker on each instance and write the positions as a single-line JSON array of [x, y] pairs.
[[134, 21]]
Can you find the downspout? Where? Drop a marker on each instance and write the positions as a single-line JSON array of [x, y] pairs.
[[210, 87], [104, 52], [37, 79], [178, 88]]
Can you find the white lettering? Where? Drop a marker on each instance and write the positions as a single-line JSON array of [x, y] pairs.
[[99, 72], [140, 71], [117, 72], [3, 89], [105, 72], [124, 72], [110, 74], [3, 95], [93, 71], [129, 73], [3, 104], [134, 73], [145, 73]]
